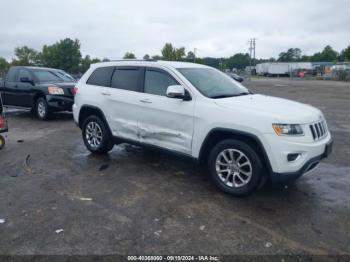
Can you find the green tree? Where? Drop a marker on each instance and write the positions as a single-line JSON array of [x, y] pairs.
[[4, 66], [171, 53], [64, 54], [168, 52], [157, 57], [25, 56], [129, 55], [86, 62], [292, 55], [328, 54], [190, 56], [146, 57], [239, 61], [345, 54]]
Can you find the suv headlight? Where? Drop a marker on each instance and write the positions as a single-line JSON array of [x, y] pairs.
[[288, 129], [54, 90]]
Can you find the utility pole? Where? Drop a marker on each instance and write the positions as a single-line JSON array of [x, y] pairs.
[[252, 45]]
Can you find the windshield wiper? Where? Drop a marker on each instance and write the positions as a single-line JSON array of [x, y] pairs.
[[233, 95]]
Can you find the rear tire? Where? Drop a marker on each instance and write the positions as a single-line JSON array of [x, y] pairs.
[[234, 167], [96, 135], [42, 109]]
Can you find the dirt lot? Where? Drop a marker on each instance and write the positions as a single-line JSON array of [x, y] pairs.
[[135, 201]]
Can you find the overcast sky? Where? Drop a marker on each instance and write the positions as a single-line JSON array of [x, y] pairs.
[[109, 28]]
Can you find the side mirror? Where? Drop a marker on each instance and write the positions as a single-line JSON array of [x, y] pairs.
[[177, 91], [26, 80]]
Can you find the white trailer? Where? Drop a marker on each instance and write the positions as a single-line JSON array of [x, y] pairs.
[[281, 68], [278, 69], [261, 69]]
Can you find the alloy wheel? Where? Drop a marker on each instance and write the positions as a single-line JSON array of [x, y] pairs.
[[233, 168], [93, 134]]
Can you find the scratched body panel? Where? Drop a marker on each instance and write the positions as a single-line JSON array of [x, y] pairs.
[[167, 123]]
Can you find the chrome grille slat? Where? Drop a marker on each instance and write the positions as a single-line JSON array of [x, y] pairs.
[[318, 130]]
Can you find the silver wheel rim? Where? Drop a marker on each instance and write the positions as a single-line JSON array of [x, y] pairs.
[[233, 168], [93, 134], [41, 109]]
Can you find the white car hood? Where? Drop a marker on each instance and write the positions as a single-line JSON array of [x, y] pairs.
[[284, 110]]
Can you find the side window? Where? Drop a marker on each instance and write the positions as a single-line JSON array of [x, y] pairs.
[[157, 82], [127, 79], [23, 73], [101, 76], [11, 75]]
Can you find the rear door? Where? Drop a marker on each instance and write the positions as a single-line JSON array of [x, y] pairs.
[[24, 90], [9, 90], [121, 101], [165, 122]]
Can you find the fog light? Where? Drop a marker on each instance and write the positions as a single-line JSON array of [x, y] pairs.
[[292, 157]]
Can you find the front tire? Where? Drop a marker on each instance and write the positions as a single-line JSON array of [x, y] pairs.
[[42, 109], [96, 135], [234, 167]]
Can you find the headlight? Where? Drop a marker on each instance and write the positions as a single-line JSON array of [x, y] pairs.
[[54, 90], [288, 129]]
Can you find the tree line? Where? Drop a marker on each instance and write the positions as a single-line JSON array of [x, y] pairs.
[[65, 54]]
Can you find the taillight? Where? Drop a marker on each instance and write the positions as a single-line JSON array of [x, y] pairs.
[[74, 90], [2, 123]]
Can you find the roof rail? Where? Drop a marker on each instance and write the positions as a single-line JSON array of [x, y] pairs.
[[137, 60]]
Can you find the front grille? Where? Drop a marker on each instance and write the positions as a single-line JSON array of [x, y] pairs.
[[318, 130]]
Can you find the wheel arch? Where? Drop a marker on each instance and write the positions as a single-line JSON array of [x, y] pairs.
[[87, 110], [219, 134], [36, 96]]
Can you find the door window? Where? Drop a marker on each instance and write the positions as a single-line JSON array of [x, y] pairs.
[[157, 82], [11, 75], [24, 73], [101, 76], [127, 79]]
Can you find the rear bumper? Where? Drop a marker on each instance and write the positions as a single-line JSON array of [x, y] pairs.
[[283, 178], [60, 103]]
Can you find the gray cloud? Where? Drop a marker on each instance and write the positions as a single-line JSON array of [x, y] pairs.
[[109, 28]]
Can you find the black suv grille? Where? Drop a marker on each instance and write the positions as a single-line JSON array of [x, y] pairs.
[[318, 130]]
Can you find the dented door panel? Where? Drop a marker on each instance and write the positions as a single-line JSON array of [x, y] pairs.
[[167, 123], [123, 111]]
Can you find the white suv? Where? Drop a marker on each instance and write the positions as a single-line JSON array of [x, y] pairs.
[[201, 113]]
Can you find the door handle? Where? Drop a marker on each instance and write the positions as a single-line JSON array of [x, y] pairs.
[[106, 93], [146, 100]]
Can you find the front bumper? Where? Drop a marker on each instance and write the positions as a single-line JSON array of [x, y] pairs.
[[283, 178], [60, 102]]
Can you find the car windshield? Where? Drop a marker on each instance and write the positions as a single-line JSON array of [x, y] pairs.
[[212, 83], [65, 76], [45, 76]]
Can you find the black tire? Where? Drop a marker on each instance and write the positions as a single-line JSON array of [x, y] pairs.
[[42, 109], [106, 144], [254, 167], [2, 142]]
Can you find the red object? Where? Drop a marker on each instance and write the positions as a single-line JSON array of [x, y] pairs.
[[2, 123], [74, 90]]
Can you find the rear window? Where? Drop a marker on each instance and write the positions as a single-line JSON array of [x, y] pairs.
[[101, 76], [127, 79]]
